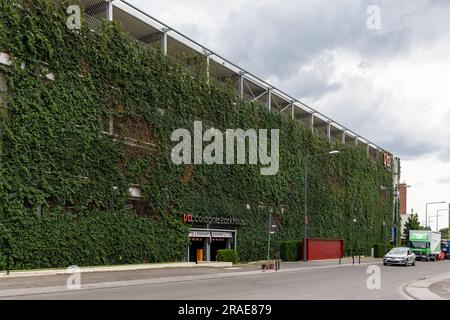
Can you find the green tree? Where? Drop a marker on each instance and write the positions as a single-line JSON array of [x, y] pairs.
[[411, 224], [444, 233]]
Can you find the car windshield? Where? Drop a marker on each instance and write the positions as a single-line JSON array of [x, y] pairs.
[[398, 251], [418, 244]]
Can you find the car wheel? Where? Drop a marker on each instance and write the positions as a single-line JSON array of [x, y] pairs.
[[384, 263], [414, 263]]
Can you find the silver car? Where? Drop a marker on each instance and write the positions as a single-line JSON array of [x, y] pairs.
[[401, 256]]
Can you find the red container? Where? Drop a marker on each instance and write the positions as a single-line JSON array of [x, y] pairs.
[[323, 249]]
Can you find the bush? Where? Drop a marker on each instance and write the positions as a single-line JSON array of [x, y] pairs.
[[227, 255], [98, 239], [291, 250], [380, 250]]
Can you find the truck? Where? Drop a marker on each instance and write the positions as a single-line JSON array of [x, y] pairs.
[[425, 244], [445, 247]]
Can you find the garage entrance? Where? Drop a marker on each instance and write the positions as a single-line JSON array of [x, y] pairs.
[[216, 245], [210, 241], [196, 244]]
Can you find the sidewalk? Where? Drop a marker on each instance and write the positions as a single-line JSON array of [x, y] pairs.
[[104, 277], [176, 265], [430, 288], [128, 267]]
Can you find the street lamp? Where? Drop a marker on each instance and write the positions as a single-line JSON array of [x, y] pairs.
[[437, 217], [305, 221], [354, 239], [426, 210], [395, 189]]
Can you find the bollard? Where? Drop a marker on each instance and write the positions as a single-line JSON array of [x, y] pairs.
[[353, 259], [279, 261], [7, 263], [359, 259]]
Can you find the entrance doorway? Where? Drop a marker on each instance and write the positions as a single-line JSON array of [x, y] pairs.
[[210, 241], [196, 243], [216, 245]]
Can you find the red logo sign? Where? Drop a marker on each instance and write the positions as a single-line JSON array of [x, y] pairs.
[[187, 218], [387, 160]]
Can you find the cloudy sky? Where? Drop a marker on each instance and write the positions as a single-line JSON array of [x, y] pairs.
[[389, 84]]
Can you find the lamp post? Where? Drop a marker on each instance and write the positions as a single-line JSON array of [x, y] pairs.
[[396, 233], [354, 239], [437, 217], [426, 210], [305, 221]]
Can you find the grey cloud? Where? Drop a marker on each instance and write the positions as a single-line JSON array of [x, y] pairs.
[[444, 179], [277, 38], [312, 80]]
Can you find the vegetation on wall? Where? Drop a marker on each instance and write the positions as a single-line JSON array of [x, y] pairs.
[[65, 176]]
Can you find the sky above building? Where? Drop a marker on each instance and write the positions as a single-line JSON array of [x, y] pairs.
[[378, 67]]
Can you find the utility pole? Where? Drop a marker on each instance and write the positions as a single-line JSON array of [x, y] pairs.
[[270, 230], [268, 244], [437, 217], [426, 210]]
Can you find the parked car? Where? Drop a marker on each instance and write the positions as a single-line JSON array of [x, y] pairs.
[[400, 256], [441, 256]]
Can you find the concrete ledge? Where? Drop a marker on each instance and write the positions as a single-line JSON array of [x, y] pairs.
[[5, 59], [215, 264], [420, 290], [131, 267]]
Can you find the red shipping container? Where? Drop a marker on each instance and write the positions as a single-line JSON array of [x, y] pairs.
[[323, 249]]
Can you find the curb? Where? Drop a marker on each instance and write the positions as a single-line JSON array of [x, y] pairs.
[[134, 267], [420, 290]]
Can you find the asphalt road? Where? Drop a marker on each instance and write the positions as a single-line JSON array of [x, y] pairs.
[[334, 282]]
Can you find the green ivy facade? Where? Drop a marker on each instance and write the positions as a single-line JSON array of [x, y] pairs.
[[64, 182]]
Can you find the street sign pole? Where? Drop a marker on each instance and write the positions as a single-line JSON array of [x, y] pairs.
[[268, 245]]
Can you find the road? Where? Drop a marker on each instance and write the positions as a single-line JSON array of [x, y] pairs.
[[330, 282]]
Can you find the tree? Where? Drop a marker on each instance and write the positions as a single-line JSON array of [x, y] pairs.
[[444, 233], [411, 224]]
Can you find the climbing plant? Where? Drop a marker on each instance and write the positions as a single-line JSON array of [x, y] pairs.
[[65, 175]]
